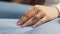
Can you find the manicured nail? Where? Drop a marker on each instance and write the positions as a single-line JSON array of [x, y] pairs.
[[34, 26], [18, 23], [23, 25]]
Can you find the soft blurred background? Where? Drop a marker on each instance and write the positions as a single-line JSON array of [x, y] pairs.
[[34, 2], [15, 9], [30, 2]]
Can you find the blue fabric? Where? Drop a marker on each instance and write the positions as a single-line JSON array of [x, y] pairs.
[[12, 10], [9, 26], [15, 11]]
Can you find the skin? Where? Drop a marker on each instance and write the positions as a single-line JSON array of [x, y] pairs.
[[44, 13]]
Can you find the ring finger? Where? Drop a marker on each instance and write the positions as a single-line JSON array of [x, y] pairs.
[[27, 16], [33, 20]]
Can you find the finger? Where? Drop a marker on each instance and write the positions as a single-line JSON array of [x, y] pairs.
[[29, 22], [24, 18], [29, 10], [32, 20], [40, 15], [27, 16], [44, 19]]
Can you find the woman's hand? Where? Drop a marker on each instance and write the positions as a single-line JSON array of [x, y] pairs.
[[44, 13]]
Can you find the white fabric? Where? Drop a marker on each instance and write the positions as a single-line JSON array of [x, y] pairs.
[[58, 6]]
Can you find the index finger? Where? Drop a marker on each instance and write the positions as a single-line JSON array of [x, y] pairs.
[[31, 12]]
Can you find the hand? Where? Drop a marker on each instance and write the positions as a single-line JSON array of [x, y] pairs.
[[44, 13]]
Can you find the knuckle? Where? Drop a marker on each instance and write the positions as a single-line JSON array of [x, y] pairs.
[[36, 5], [41, 21], [47, 17]]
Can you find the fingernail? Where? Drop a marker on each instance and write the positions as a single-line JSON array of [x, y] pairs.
[[33, 26], [23, 25], [18, 23]]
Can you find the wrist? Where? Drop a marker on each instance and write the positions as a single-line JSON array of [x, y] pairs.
[[58, 8], [56, 11]]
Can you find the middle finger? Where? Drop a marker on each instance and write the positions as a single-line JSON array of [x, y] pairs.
[[27, 16]]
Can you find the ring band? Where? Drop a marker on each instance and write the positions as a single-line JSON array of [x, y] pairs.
[[37, 16]]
